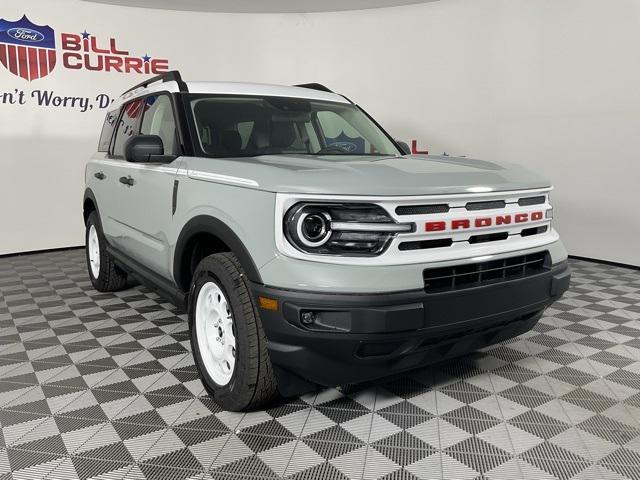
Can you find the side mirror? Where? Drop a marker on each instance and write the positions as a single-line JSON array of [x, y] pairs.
[[404, 146], [144, 148]]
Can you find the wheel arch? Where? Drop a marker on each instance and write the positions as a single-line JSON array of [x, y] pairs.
[[215, 229], [89, 204]]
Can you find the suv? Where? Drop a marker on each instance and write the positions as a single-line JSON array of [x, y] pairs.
[[308, 248]]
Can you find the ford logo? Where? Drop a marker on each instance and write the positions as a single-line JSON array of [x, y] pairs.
[[25, 34], [346, 146]]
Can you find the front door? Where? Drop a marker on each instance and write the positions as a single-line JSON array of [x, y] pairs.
[[143, 211]]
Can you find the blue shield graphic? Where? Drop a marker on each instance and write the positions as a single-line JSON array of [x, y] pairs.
[[26, 49], [347, 143]]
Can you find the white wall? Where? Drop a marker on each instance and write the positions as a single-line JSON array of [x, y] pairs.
[[550, 84]]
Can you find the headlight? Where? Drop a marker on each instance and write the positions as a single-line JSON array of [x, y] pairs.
[[313, 229], [354, 229]]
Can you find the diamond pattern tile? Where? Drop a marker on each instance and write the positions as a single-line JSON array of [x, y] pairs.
[[96, 385]]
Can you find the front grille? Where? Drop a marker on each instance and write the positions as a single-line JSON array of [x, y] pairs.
[[523, 202], [471, 206], [424, 244], [422, 209], [489, 237], [459, 277], [527, 232]]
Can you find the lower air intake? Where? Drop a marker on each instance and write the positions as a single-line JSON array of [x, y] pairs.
[[458, 277]]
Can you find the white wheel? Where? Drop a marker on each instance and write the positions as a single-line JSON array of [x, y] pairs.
[[94, 252], [227, 340], [214, 328], [104, 274]]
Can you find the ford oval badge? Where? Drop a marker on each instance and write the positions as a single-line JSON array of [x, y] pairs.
[[25, 34]]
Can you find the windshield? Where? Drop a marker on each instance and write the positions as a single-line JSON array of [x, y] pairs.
[[234, 126]]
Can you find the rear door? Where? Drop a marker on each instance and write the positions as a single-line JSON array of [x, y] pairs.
[[144, 210], [99, 166], [111, 201]]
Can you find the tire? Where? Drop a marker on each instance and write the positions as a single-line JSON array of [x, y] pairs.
[[237, 372], [105, 275]]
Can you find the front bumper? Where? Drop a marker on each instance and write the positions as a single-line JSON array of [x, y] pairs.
[[360, 337]]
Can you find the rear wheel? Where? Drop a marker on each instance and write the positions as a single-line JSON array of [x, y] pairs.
[[105, 275], [227, 339]]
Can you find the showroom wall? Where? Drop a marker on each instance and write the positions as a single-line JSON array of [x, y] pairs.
[[547, 84]]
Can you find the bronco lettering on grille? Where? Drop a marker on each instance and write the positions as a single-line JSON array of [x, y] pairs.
[[482, 222]]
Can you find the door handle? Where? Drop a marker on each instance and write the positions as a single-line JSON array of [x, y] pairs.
[[100, 175], [127, 181]]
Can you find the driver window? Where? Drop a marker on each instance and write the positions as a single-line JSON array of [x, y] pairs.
[[158, 120]]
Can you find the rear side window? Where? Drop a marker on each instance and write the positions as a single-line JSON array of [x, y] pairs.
[[128, 126], [107, 131]]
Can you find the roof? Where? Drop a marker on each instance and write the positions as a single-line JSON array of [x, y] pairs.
[[263, 89], [234, 88]]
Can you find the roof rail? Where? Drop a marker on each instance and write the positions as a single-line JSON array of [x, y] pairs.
[[171, 76], [314, 86]]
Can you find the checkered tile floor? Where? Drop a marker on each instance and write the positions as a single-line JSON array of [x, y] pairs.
[[99, 385]]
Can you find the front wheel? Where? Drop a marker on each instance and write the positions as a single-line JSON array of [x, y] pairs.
[[227, 339]]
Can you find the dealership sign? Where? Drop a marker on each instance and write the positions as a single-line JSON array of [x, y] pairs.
[[29, 51]]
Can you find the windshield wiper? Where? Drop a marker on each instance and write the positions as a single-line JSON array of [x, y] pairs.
[[349, 154]]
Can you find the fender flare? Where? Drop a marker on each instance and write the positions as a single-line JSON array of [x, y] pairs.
[[88, 195], [219, 229]]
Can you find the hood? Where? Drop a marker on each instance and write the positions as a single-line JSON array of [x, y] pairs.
[[368, 175]]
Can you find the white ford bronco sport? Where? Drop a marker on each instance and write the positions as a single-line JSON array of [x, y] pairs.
[[308, 247]]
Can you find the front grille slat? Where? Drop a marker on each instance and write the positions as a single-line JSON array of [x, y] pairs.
[[527, 232], [491, 237], [425, 244], [526, 201], [422, 209], [472, 275], [472, 206]]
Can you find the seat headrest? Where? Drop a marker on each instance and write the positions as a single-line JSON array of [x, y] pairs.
[[231, 140], [210, 140], [283, 134]]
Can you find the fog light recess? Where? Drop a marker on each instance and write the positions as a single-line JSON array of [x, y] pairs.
[[307, 317]]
